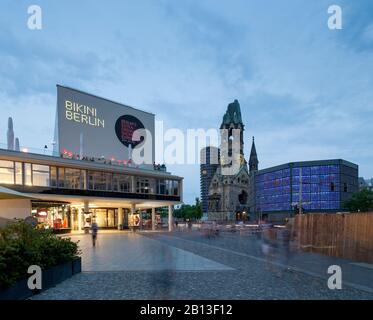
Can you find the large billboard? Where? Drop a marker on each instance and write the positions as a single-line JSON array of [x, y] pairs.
[[90, 126]]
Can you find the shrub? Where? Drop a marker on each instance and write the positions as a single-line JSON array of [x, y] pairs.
[[22, 245]]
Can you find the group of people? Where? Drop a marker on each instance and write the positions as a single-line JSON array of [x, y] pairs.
[[159, 167], [70, 155]]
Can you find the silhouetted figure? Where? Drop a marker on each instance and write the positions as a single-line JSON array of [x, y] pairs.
[[94, 229], [269, 246]]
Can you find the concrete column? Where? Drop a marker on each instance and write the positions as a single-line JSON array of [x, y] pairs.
[[153, 219], [85, 213], [133, 209], [140, 216], [72, 219], [170, 219], [80, 219], [120, 218]]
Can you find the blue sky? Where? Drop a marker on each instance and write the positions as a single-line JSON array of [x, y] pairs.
[[305, 91]]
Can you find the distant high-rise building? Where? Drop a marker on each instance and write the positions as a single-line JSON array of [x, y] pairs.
[[210, 158], [16, 147], [10, 134]]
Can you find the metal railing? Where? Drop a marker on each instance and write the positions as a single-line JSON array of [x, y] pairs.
[[102, 160]]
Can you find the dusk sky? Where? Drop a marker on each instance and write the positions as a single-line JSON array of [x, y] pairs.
[[306, 92]]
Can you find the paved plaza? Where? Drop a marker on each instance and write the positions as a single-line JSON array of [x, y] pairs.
[[188, 265]]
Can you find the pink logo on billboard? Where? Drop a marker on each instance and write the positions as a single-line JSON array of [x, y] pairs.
[[125, 127]]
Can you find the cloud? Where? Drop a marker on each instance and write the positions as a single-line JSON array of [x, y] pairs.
[[305, 91]]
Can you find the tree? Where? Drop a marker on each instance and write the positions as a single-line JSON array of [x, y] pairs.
[[360, 201], [198, 209], [189, 212]]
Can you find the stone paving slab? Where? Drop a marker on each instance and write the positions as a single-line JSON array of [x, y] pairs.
[[165, 285], [248, 278], [311, 263]]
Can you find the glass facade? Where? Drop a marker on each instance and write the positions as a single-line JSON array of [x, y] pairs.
[[121, 183], [273, 190], [40, 175], [105, 218], [318, 187], [29, 174], [6, 172]]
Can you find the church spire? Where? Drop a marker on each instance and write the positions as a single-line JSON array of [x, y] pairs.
[[253, 161], [232, 115]]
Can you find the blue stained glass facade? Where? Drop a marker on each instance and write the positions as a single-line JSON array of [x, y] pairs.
[[318, 185], [273, 190]]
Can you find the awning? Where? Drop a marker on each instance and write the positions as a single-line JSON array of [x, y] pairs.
[[6, 193]]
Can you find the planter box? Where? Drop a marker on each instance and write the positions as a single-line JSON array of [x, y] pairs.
[[50, 278], [62, 272], [18, 291], [77, 265]]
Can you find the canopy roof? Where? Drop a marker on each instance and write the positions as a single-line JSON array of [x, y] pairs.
[[6, 193]]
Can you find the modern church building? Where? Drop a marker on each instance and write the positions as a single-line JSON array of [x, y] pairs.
[[92, 174], [309, 186]]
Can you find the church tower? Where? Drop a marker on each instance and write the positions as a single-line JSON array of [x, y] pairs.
[[253, 161], [229, 190], [232, 120]]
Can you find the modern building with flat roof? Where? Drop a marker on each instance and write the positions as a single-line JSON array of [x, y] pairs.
[[83, 181], [311, 186]]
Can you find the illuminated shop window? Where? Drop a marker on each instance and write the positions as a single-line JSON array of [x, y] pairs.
[[6, 172], [53, 171], [40, 175], [19, 173], [28, 174]]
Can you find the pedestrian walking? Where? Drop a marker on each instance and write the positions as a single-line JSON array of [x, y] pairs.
[[269, 247], [94, 229], [287, 236]]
